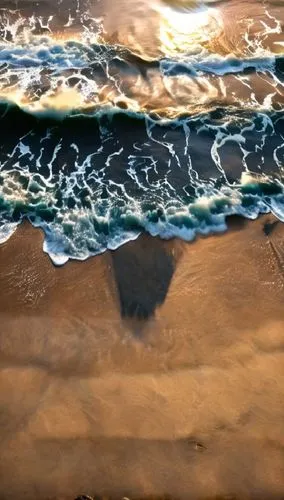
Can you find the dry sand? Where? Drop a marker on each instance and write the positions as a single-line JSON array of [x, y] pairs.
[[156, 369]]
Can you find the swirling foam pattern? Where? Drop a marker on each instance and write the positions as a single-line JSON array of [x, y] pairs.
[[117, 119]]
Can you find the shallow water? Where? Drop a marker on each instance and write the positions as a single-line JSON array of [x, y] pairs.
[[123, 117]]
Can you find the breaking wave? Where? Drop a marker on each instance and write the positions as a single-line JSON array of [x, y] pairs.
[[101, 139]]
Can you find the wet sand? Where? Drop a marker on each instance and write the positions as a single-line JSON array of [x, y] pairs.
[[157, 369]]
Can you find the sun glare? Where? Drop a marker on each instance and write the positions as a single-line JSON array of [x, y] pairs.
[[184, 32]]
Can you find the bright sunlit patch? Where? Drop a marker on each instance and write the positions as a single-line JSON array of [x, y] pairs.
[[187, 32]]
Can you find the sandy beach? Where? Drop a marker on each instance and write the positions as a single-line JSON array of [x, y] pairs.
[[157, 369]]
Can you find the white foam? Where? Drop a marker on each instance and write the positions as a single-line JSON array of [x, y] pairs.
[[7, 229]]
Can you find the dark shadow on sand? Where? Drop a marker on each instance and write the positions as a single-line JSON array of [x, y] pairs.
[[236, 222], [143, 270], [269, 227]]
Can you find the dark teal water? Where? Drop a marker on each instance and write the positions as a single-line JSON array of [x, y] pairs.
[[162, 124]]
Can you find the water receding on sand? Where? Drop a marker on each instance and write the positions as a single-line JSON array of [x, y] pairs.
[[124, 117]]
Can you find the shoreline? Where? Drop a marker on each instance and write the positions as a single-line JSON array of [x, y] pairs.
[[154, 370]]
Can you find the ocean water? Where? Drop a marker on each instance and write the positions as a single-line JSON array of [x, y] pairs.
[[123, 117]]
